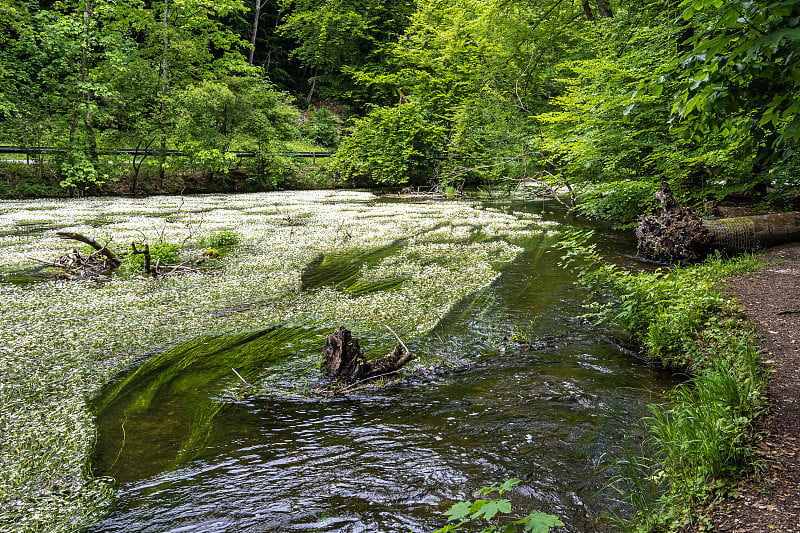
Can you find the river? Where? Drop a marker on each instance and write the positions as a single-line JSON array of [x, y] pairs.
[[514, 382]]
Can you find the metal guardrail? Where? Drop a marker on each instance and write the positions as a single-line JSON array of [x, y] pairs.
[[132, 151]]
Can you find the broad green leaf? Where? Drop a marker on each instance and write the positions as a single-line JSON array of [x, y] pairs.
[[508, 485], [541, 522], [458, 511], [492, 508]]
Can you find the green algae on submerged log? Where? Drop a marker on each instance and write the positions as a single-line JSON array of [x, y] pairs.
[[175, 394]]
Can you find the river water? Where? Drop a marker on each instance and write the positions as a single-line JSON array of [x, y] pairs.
[[524, 387]]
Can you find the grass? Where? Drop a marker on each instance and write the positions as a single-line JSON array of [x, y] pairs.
[[701, 440], [61, 342]]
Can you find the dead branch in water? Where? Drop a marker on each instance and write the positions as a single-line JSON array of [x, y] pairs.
[[113, 260], [103, 262]]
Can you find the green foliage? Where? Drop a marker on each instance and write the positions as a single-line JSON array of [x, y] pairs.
[[322, 128], [622, 201], [741, 70], [161, 252], [82, 174], [334, 37], [222, 238], [494, 516], [391, 146], [234, 113], [785, 178], [703, 437]]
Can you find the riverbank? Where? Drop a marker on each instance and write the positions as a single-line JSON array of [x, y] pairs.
[[770, 300]]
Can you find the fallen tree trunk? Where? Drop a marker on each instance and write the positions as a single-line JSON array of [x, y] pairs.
[[680, 236], [113, 260], [760, 231], [342, 359]]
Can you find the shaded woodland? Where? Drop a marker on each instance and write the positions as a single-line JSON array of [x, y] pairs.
[[598, 100]]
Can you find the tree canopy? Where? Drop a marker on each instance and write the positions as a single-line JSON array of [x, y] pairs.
[[599, 98]]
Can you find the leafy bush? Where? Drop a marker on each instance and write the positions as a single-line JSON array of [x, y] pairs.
[[785, 179], [494, 516], [322, 128], [218, 239], [161, 252], [391, 146], [621, 201]]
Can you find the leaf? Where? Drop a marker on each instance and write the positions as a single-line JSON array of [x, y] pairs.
[[542, 522], [458, 511], [508, 485], [492, 508], [656, 89]]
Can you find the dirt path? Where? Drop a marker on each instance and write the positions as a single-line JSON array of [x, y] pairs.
[[771, 301]]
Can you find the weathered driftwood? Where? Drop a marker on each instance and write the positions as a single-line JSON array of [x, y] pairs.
[[680, 236], [100, 264], [113, 260], [73, 266], [342, 359]]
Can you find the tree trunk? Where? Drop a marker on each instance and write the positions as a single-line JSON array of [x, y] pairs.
[[343, 360], [604, 9], [741, 234], [164, 88], [680, 236], [587, 10], [256, 16], [88, 13]]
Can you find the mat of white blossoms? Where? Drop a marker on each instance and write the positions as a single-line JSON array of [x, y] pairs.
[[61, 341]]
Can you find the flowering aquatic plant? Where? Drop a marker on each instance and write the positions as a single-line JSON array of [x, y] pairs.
[[62, 341]]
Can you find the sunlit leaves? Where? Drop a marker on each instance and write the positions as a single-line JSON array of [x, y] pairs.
[[740, 61], [494, 515]]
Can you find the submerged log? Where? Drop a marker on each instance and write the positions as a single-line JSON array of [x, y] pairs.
[[680, 236], [342, 359]]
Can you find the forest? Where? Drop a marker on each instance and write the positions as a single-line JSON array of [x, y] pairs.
[[167, 374], [598, 99]]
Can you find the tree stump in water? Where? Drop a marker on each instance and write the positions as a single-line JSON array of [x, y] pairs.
[[343, 360]]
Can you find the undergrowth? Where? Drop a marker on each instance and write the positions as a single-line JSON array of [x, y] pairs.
[[495, 515], [701, 439]]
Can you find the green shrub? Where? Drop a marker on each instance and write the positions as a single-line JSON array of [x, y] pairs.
[[622, 201], [222, 238], [160, 252], [494, 516], [322, 128], [391, 146]]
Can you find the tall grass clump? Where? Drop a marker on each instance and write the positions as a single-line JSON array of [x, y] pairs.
[[701, 439]]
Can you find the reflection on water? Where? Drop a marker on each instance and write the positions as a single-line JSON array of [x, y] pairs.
[[531, 390]]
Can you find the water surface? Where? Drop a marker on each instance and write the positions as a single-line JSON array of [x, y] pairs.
[[513, 383]]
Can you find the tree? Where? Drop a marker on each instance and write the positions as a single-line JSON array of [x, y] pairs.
[[742, 74], [335, 36], [473, 71]]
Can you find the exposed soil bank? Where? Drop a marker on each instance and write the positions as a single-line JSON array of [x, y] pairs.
[[771, 301]]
